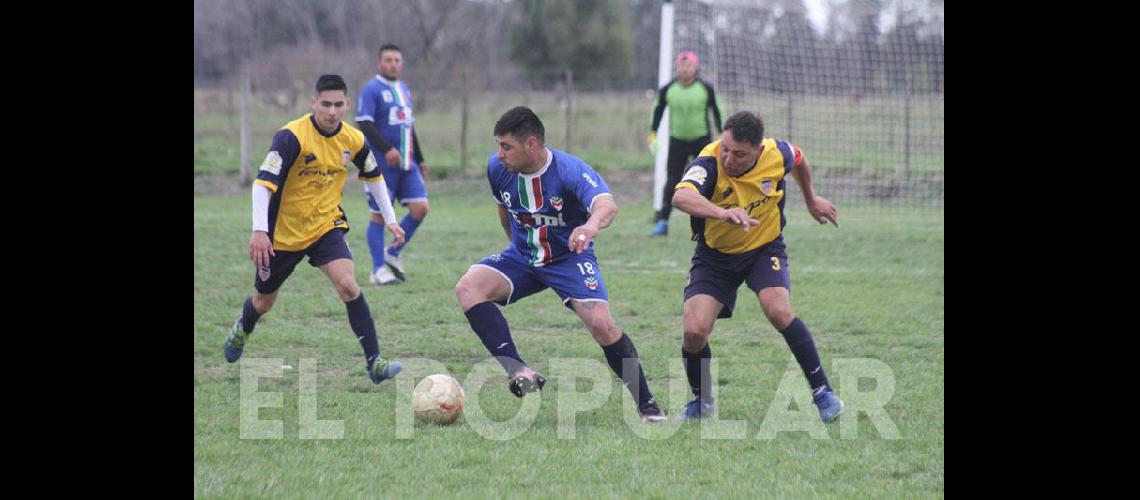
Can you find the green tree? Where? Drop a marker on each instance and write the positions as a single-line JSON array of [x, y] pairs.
[[593, 38]]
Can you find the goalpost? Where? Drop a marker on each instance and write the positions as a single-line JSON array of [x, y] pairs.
[[664, 74]]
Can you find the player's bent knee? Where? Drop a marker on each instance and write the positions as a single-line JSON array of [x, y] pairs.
[[605, 332], [347, 289], [264, 303], [468, 294], [419, 210], [694, 342], [780, 317], [696, 334]]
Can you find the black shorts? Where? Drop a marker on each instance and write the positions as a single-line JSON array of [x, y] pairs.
[[719, 275], [330, 247]]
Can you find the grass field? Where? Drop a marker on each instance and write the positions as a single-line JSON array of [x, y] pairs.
[[871, 289]]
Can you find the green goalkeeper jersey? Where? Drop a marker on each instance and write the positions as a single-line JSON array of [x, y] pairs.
[[688, 109]]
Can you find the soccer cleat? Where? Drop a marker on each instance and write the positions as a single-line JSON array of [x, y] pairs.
[[521, 384], [235, 342], [697, 408], [830, 406], [380, 372], [384, 276], [392, 262], [661, 228], [651, 412]]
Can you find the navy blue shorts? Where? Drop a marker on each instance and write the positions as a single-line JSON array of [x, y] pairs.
[[330, 247], [576, 277], [719, 275], [403, 186]]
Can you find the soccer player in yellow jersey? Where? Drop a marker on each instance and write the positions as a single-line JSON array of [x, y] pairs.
[[734, 193], [296, 213]]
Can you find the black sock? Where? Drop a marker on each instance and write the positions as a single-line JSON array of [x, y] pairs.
[[698, 371], [489, 324], [619, 350], [249, 315], [360, 318], [803, 347]]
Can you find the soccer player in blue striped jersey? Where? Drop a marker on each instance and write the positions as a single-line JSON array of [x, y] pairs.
[[386, 118], [551, 206], [734, 193], [296, 213]]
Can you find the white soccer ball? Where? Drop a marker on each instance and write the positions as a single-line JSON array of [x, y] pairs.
[[438, 399]]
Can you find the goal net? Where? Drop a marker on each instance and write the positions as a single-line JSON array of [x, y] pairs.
[[858, 85]]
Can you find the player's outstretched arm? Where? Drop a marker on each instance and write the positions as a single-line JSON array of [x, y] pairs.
[[602, 214], [820, 209], [691, 202]]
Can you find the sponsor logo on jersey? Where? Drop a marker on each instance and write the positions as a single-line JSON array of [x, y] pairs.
[[589, 179]]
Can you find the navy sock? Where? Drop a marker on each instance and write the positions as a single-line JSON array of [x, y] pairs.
[[249, 315], [360, 318], [620, 350], [489, 324], [698, 371], [803, 347], [375, 236]]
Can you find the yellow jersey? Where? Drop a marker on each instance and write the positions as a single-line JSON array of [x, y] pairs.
[[306, 169], [759, 191]]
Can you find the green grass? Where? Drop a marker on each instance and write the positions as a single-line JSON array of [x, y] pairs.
[[609, 129], [872, 288]]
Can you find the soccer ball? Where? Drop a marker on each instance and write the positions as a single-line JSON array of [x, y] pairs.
[[438, 399]]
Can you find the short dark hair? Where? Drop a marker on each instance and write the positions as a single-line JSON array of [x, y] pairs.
[[746, 127], [388, 46], [331, 82], [521, 123]]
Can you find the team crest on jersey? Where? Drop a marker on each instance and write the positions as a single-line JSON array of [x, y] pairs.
[[591, 282], [556, 202], [766, 186], [387, 95]]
